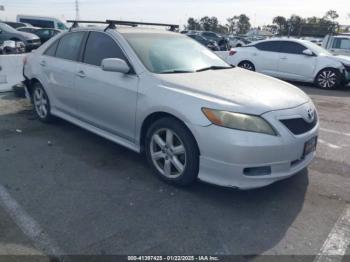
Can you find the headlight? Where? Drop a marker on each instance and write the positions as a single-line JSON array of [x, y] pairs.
[[239, 121]]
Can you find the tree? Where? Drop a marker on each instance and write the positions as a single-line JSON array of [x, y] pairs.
[[281, 22], [243, 23], [332, 15], [295, 24], [231, 24], [192, 24]]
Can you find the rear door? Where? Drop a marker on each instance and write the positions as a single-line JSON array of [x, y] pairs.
[[265, 57], [59, 67], [106, 100], [293, 64]]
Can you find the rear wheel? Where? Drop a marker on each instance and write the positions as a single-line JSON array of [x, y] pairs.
[[328, 79], [172, 152], [41, 103], [247, 65]]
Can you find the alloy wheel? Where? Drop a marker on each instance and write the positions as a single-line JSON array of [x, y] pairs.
[[247, 66], [40, 103], [327, 79], [168, 153]]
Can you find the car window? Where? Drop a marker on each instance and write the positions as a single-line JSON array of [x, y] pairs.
[[51, 51], [69, 46], [100, 46], [292, 48], [172, 53], [341, 43], [61, 26], [270, 46], [38, 23]]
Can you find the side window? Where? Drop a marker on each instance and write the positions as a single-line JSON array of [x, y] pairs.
[[270, 46], [69, 46], [51, 51], [341, 43], [292, 48], [100, 46]]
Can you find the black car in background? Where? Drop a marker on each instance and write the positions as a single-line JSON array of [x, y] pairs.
[[220, 40], [208, 43], [43, 33]]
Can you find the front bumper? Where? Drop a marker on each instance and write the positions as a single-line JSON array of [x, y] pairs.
[[226, 154], [346, 75]]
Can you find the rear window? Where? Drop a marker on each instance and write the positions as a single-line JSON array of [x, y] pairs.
[[51, 51], [69, 46], [270, 46]]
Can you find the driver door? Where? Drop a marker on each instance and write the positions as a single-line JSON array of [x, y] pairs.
[[293, 64]]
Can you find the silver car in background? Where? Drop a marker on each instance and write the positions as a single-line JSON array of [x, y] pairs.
[[162, 93]]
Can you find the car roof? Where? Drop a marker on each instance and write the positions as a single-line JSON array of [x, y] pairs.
[[280, 39]]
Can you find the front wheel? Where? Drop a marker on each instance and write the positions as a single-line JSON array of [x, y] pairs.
[[172, 152], [328, 79], [247, 65]]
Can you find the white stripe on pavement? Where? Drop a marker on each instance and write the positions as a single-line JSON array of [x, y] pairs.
[[338, 240], [28, 225], [333, 146], [335, 132]]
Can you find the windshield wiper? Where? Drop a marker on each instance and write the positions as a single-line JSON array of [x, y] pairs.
[[213, 68], [176, 72]]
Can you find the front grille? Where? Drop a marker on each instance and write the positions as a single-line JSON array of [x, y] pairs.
[[299, 126]]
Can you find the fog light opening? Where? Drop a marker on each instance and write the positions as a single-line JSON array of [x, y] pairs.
[[257, 171]]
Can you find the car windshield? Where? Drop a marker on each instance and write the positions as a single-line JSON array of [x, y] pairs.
[[172, 53], [7, 28], [62, 26], [318, 50]]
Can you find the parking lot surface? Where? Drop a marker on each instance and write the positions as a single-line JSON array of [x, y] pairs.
[[90, 196]]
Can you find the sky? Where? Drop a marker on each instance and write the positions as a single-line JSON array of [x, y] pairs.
[[261, 12]]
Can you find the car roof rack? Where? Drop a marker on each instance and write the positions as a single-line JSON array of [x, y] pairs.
[[77, 22], [112, 24]]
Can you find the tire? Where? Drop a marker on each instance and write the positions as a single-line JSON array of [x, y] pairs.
[[41, 102], [328, 78], [239, 45], [175, 160], [247, 65]]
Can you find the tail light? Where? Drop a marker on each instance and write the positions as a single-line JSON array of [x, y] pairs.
[[232, 52]]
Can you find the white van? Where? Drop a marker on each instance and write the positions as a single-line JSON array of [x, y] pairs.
[[42, 21]]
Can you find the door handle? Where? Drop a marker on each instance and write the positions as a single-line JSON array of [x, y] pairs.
[[81, 74], [43, 63], [284, 58]]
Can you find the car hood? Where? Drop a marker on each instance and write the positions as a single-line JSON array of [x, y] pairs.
[[249, 92], [341, 58]]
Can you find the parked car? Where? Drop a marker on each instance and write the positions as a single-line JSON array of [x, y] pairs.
[[16, 25], [337, 45], [208, 43], [31, 41], [43, 33], [295, 60], [164, 94], [237, 41], [220, 40], [42, 21]]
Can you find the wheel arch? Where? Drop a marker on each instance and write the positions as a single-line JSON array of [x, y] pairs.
[[151, 118], [325, 68]]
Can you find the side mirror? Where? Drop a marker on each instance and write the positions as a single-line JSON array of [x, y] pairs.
[[115, 65], [308, 52]]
